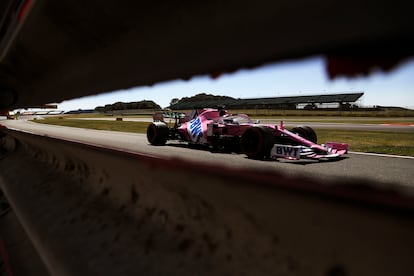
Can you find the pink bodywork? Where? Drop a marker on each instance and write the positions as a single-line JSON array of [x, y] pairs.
[[196, 128], [203, 124]]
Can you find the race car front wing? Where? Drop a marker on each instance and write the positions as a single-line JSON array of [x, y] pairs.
[[330, 150]]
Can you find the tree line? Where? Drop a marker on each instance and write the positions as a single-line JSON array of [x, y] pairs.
[[146, 104], [127, 106], [200, 98]]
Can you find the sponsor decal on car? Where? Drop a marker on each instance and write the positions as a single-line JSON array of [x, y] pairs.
[[195, 129], [286, 151]]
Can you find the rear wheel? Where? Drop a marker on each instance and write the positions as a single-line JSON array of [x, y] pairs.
[[157, 133], [306, 132], [256, 142]]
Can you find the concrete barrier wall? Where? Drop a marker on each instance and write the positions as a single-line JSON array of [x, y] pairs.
[[95, 211]]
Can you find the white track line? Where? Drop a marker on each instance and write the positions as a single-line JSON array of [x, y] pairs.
[[381, 155], [410, 125]]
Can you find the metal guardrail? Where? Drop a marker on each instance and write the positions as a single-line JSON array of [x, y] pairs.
[[95, 211]]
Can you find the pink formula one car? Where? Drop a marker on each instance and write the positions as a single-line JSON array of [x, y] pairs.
[[238, 133]]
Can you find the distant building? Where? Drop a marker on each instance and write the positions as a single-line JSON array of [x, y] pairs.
[[342, 101], [80, 111]]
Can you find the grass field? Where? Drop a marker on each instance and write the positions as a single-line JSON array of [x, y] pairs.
[[125, 126], [362, 120], [390, 112], [295, 118], [266, 113], [364, 141], [371, 141]]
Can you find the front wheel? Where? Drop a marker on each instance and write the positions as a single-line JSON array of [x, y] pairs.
[[256, 142], [157, 133], [306, 132]]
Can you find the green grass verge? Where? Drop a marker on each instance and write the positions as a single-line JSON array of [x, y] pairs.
[[138, 127], [298, 118], [386, 142], [324, 113], [399, 143], [364, 120]]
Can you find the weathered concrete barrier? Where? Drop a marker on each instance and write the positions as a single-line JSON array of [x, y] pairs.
[[95, 211]]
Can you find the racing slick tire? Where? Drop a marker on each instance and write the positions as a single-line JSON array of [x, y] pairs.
[[306, 132], [157, 133], [257, 141]]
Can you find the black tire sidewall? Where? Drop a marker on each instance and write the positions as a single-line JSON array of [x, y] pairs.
[[256, 142]]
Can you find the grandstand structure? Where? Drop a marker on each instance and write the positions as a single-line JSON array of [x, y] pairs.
[[343, 101]]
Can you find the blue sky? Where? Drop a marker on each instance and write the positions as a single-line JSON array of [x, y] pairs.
[[304, 77]]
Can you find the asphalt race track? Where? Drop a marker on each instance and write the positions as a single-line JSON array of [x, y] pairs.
[[378, 169]]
